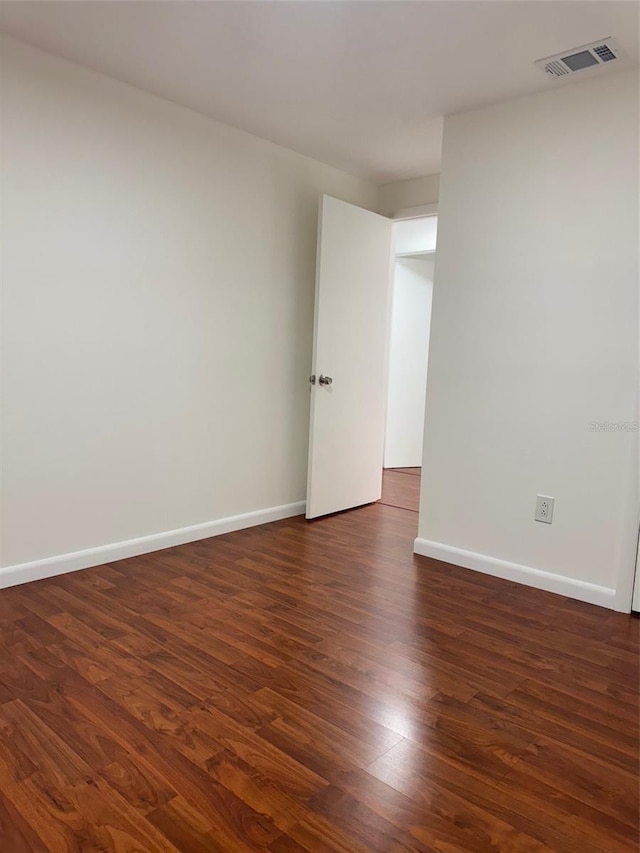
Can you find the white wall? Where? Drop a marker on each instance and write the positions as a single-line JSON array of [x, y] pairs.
[[408, 353], [415, 192], [158, 276], [635, 604], [534, 337], [415, 235]]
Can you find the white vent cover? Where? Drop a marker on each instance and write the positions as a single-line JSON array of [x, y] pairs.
[[579, 58]]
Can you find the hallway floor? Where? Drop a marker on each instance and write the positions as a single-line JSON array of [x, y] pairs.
[[313, 687], [401, 488]]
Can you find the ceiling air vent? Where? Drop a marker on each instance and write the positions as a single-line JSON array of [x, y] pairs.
[[587, 56]]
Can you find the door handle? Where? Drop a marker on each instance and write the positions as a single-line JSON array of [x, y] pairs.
[[325, 380]]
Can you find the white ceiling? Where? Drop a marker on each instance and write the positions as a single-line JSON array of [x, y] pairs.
[[360, 85]]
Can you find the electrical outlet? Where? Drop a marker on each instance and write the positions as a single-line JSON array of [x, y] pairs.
[[544, 508]]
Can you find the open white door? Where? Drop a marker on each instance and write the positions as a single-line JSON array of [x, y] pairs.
[[350, 341]]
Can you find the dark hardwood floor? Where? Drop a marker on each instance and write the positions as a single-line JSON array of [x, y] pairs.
[[401, 488], [313, 687]]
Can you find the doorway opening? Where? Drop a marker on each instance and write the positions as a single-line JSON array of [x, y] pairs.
[[358, 292], [414, 242]]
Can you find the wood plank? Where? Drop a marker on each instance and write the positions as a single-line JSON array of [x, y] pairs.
[[400, 488], [308, 687]]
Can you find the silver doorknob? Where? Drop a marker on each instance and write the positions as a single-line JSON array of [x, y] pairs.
[[325, 380]]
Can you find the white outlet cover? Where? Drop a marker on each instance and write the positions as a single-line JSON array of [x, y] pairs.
[[544, 509]]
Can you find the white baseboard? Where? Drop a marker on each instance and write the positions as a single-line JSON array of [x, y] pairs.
[[72, 562], [570, 587]]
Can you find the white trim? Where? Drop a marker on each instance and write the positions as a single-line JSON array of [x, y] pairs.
[[72, 562], [570, 587], [416, 212], [421, 254]]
